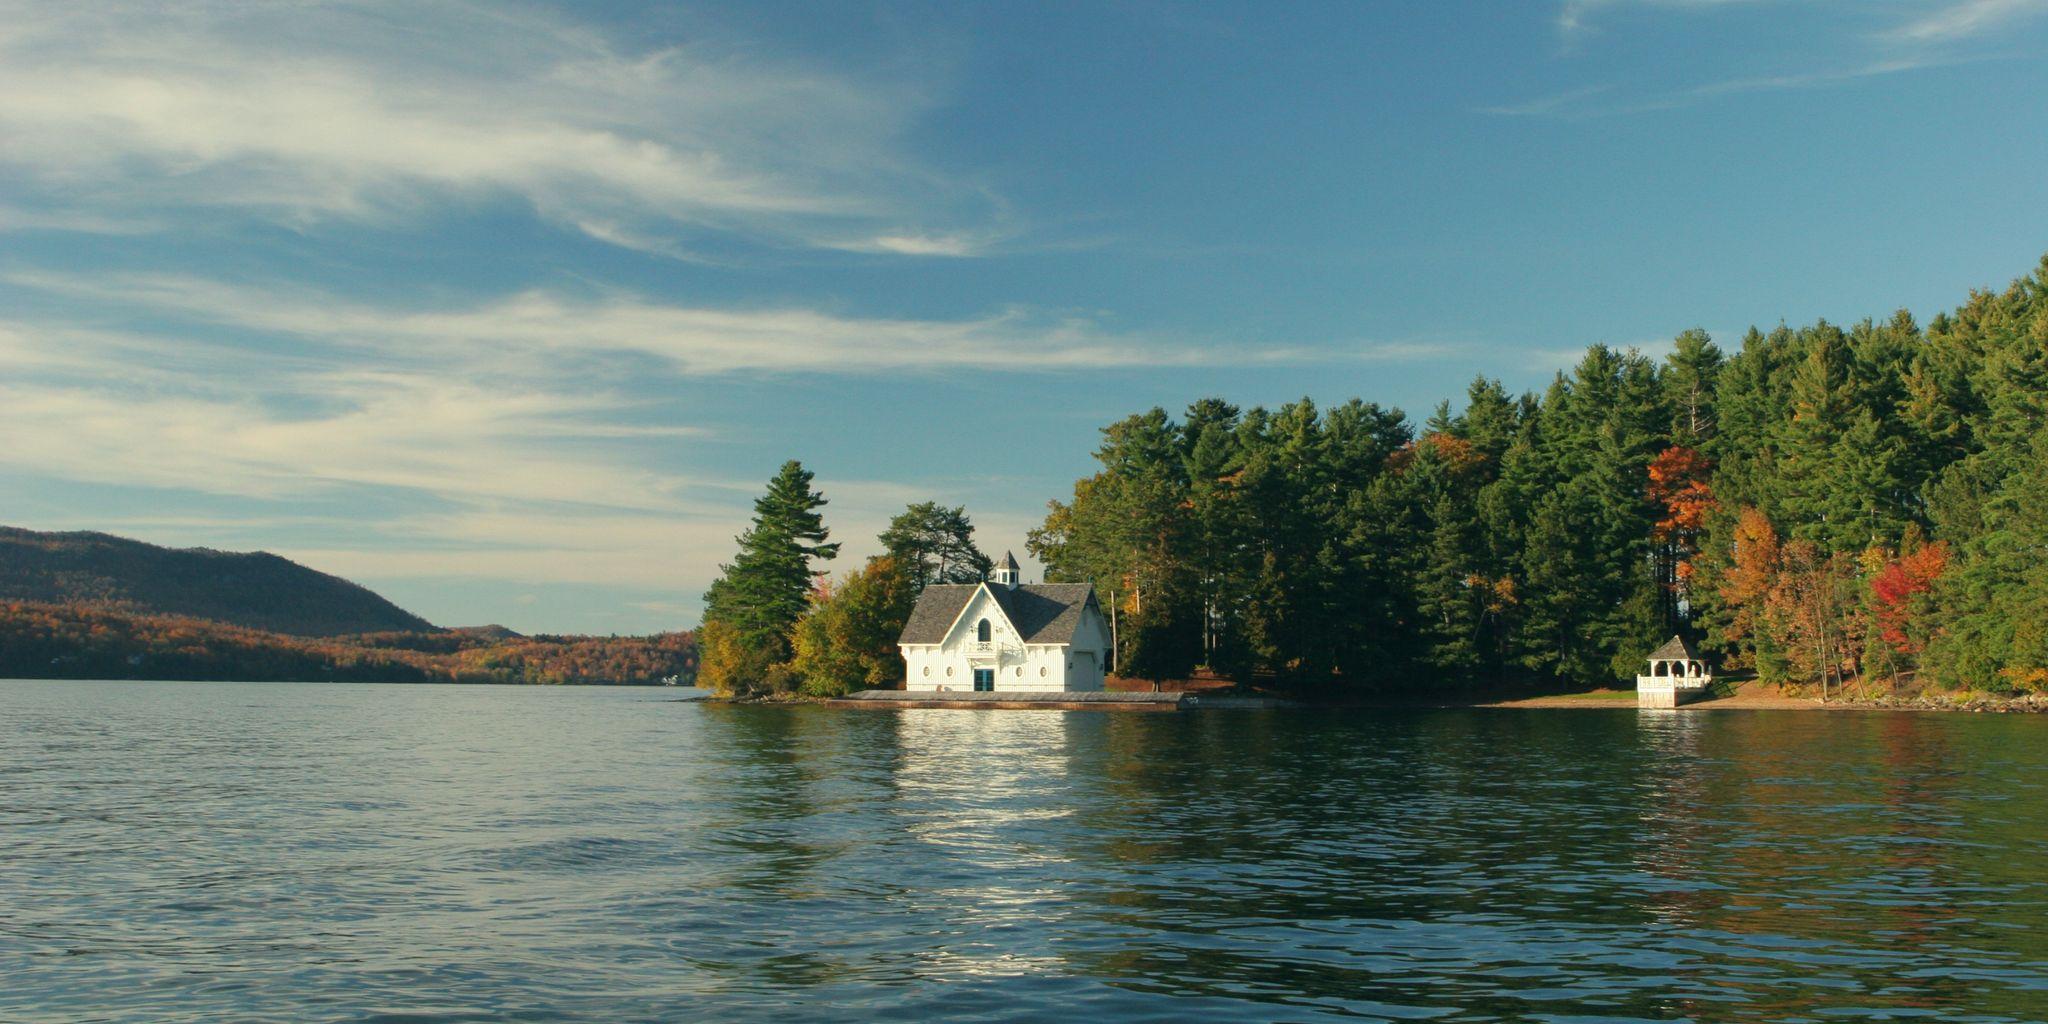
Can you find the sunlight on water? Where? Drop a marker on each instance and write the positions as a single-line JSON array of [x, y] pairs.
[[256, 852]]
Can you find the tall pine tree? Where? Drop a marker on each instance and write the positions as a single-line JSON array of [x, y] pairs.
[[751, 608]]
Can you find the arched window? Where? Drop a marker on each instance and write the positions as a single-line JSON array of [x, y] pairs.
[[981, 632]]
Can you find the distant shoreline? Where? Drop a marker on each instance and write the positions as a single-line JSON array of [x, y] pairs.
[[1973, 703], [1608, 700]]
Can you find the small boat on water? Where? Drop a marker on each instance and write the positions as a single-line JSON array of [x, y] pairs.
[[671, 680]]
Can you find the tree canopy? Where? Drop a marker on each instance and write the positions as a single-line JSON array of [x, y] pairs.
[[935, 544], [1825, 503], [756, 601]]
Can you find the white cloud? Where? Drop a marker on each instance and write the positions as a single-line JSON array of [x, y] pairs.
[[1928, 21], [537, 547], [81, 222], [920, 245], [1577, 15], [497, 417], [371, 108], [551, 329], [1844, 50], [1543, 106], [505, 427], [1962, 19], [448, 442]]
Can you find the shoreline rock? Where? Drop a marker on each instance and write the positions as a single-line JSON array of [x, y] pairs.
[[2025, 704]]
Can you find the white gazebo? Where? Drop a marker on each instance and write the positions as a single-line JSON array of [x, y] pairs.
[[1677, 676]]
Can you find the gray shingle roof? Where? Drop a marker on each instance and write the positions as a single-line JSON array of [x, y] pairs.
[[1675, 649], [1044, 613], [936, 609]]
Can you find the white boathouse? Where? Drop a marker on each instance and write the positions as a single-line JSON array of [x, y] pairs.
[[1003, 636]]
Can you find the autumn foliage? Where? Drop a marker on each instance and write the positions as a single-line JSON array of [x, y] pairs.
[[1806, 613], [70, 641], [1897, 595], [1679, 489], [1678, 484]]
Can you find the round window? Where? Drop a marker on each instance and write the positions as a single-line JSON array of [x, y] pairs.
[[1041, 670], [1020, 671], [927, 670], [949, 670]]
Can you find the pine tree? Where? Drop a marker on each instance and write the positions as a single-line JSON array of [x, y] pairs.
[[1559, 536], [1690, 376], [758, 598], [935, 544], [1449, 595]]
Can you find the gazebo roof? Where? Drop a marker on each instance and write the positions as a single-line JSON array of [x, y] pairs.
[[1675, 649]]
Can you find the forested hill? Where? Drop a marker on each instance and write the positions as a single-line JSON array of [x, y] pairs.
[[1864, 504], [255, 590]]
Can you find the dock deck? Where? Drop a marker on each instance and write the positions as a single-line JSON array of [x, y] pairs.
[[1052, 700], [1671, 691]]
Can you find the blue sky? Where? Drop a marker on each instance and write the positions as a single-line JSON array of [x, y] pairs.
[[508, 311]]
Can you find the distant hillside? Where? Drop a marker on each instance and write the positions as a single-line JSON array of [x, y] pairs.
[[258, 591], [69, 641]]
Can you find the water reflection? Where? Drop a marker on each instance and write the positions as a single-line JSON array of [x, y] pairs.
[[305, 853]]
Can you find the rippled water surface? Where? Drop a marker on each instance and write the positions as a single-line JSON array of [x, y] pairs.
[[275, 852]]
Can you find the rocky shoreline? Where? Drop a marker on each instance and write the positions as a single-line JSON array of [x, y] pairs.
[[2033, 703]]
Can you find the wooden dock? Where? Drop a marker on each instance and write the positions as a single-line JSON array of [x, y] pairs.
[[1054, 700]]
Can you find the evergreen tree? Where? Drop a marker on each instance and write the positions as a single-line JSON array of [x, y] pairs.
[[1690, 376], [1557, 537], [1449, 601], [757, 599], [935, 544], [1129, 531]]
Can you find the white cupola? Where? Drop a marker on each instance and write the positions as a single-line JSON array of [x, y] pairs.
[[1006, 571]]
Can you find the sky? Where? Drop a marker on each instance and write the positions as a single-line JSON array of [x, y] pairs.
[[508, 311]]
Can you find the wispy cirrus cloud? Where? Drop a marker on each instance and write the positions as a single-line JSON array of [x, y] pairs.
[[373, 109], [323, 434], [524, 420], [1963, 19], [554, 328], [1544, 106], [1575, 16], [1918, 20], [1854, 41], [1602, 101], [504, 477]]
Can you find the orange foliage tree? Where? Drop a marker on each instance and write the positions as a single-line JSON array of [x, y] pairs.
[[1752, 572], [1812, 607], [1678, 486]]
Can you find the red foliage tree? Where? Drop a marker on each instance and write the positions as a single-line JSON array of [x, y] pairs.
[[1894, 588]]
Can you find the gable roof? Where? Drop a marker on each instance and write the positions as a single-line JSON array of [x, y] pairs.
[[1043, 613], [1675, 649]]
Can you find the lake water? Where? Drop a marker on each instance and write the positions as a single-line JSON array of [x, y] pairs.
[[281, 852]]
